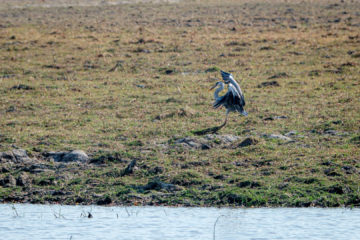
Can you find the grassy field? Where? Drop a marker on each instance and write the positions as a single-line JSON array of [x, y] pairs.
[[128, 82]]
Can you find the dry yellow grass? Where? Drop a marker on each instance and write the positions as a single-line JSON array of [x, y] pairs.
[[127, 78]]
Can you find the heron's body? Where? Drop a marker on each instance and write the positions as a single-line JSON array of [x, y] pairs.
[[228, 78], [233, 100]]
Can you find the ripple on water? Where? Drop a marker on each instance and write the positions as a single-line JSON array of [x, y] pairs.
[[25, 221]]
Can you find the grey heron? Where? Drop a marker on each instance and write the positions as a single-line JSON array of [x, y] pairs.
[[233, 100]]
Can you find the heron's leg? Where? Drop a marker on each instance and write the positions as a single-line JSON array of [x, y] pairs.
[[226, 117]]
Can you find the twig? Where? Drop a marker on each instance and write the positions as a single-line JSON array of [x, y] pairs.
[[57, 215], [127, 212], [215, 225], [15, 211]]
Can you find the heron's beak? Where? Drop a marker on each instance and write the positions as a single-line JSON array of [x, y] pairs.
[[212, 87]]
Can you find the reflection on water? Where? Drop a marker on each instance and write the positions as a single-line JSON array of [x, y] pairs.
[[24, 221]]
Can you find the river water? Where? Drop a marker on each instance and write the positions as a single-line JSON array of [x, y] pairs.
[[27, 221]]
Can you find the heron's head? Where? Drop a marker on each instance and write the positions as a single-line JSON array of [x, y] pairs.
[[216, 85]]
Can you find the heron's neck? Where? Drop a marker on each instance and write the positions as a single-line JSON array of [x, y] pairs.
[[218, 90]]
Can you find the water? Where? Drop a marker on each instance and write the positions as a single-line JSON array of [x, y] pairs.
[[25, 221]]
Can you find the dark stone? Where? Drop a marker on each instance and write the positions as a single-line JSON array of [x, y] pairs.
[[38, 168], [199, 163], [248, 142], [159, 185], [52, 66], [280, 117], [349, 169], [266, 48], [296, 53], [79, 200], [104, 201], [331, 172], [6, 156], [220, 177], [279, 75], [46, 182], [11, 109], [141, 50], [59, 193], [156, 170], [189, 143], [250, 184], [242, 163], [8, 181], [267, 172], [130, 168], [23, 180], [327, 163], [205, 146], [269, 84], [354, 200], [21, 87], [335, 189]]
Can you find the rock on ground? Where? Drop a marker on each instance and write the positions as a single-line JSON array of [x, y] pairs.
[[188, 143], [248, 142], [206, 142], [23, 180], [279, 136], [8, 181], [15, 156], [66, 157], [159, 185], [224, 139]]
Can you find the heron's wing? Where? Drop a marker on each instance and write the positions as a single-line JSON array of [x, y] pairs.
[[228, 78], [238, 95], [219, 102], [231, 101], [234, 96], [234, 100]]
